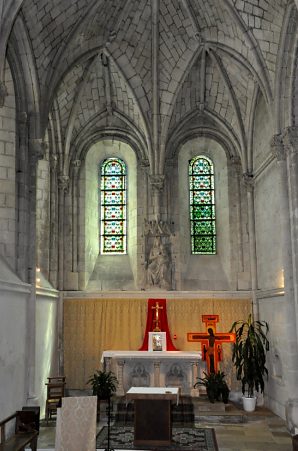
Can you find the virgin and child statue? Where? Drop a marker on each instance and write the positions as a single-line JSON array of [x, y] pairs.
[[159, 266]]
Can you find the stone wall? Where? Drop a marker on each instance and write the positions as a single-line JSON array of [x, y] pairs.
[[13, 341], [205, 272], [46, 344], [273, 298], [102, 273], [268, 230], [273, 310]]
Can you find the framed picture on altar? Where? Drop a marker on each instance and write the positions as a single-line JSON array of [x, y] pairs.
[[157, 341]]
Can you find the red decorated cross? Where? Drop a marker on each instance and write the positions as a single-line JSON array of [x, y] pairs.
[[211, 341]]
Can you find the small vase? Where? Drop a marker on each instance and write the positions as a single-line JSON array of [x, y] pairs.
[[249, 404]]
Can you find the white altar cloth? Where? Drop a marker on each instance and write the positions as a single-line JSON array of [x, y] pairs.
[[144, 392], [152, 354]]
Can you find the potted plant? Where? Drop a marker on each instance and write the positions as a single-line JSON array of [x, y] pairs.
[[104, 384], [249, 357], [216, 387]]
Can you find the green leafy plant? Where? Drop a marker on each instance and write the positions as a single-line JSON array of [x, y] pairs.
[[216, 386], [249, 354], [104, 384]]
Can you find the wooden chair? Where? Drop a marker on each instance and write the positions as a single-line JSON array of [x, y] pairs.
[[56, 380], [55, 393]]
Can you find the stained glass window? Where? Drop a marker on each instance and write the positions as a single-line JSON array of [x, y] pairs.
[[202, 206], [113, 206]]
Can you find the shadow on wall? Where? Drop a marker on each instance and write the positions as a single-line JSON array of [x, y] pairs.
[[205, 273], [111, 272]]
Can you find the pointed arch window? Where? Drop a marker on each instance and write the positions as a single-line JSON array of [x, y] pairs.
[[202, 205], [113, 191]]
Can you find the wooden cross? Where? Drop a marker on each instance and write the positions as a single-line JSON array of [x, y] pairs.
[[157, 307], [211, 342]]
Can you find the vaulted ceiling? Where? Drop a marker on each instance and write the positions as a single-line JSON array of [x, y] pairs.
[[147, 70]]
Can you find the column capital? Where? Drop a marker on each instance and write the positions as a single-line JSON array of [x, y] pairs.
[[248, 180], [23, 118], [63, 182], [54, 162], [144, 163], [290, 139], [37, 149], [157, 181], [235, 160], [235, 166], [3, 93], [76, 164], [277, 147]]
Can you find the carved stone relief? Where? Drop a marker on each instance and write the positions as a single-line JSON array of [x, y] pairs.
[[139, 377], [158, 263]]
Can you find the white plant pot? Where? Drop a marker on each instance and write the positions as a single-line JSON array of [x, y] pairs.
[[292, 415], [249, 404]]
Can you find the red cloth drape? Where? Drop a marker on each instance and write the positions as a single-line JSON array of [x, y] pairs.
[[163, 323]]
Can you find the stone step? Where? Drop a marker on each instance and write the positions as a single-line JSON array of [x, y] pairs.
[[206, 418]]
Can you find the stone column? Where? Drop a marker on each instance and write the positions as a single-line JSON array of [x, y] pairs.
[[194, 392], [3, 92], [290, 140], [75, 181], [157, 186], [279, 152], [156, 374], [236, 168], [107, 364], [63, 183], [249, 183], [60, 330], [53, 254], [36, 152], [234, 172], [120, 370], [22, 191], [290, 176]]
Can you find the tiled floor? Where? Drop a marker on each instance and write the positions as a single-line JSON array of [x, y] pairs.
[[261, 431], [261, 435]]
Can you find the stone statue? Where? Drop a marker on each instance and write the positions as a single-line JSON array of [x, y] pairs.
[[158, 266]]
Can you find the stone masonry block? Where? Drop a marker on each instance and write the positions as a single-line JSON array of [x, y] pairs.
[[3, 173], [8, 186], [7, 213]]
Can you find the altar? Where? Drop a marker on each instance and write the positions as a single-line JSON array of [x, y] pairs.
[[155, 369]]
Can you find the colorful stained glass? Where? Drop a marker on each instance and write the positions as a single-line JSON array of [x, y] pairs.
[[202, 206], [113, 206]]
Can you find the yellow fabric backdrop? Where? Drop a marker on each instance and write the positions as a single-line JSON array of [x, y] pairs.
[[94, 325]]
